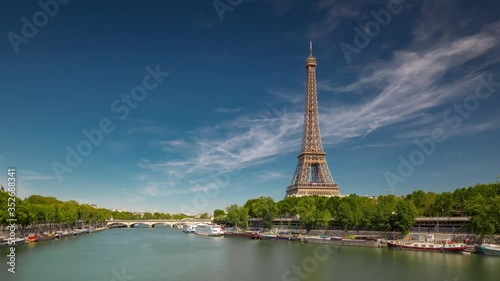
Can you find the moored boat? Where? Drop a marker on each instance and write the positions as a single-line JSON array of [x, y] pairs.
[[209, 230], [32, 238], [189, 228], [488, 249], [19, 241], [281, 236], [79, 231], [428, 245], [11, 242], [255, 235], [238, 234]]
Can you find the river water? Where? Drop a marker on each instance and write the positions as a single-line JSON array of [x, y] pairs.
[[155, 254]]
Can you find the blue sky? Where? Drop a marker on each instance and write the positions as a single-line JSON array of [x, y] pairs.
[[225, 125]]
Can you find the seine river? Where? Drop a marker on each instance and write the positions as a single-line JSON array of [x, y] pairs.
[[155, 254]]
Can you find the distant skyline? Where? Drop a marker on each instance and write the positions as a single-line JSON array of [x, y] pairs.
[[195, 105]]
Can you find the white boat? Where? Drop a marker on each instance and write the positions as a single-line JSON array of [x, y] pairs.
[[189, 228], [11, 242], [488, 249], [78, 231], [429, 245], [209, 230]]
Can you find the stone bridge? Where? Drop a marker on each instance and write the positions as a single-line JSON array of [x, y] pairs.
[[153, 222]]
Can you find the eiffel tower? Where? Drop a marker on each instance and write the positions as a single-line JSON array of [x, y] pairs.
[[312, 176]]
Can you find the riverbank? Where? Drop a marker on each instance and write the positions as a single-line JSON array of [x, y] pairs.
[[371, 239], [44, 236]]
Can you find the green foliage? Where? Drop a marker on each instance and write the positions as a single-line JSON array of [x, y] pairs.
[[385, 213], [147, 216], [288, 207], [237, 216], [485, 212], [264, 208], [38, 199], [219, 213], [180, 216], [405, 215], [204, 216]]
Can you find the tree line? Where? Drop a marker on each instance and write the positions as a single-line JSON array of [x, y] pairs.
[[37, 212], [383, 213]]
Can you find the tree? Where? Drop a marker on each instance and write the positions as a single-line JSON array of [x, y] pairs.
[[288, 206], [69, 213], [180, 216], [22, 213], [383, 216], [263, 207], [485, 215], [204, 216], [345, 216], [237, 216], [443, 205], [4, 214], [405, 215], [219, 213], [306, 208], [147, 216], [38, 199], [86, 213], [322, 218]]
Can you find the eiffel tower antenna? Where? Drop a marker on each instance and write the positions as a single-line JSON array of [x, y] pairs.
[[312, 175]]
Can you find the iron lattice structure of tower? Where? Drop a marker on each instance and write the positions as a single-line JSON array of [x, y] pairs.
[[312, 175]]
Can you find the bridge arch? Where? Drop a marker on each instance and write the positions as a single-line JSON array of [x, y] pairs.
[[161, 223], [152, 223], [117, 224]]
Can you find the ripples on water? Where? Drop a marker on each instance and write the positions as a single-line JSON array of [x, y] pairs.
[[155, 254]]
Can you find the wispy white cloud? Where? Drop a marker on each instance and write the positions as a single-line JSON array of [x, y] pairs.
[[334, 13], [376, 145], [244, 142], [170, 145], [288, 95], [270, 176], [227, 110], [435, 16], [408, 85], [28, 175], [466, 129]]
